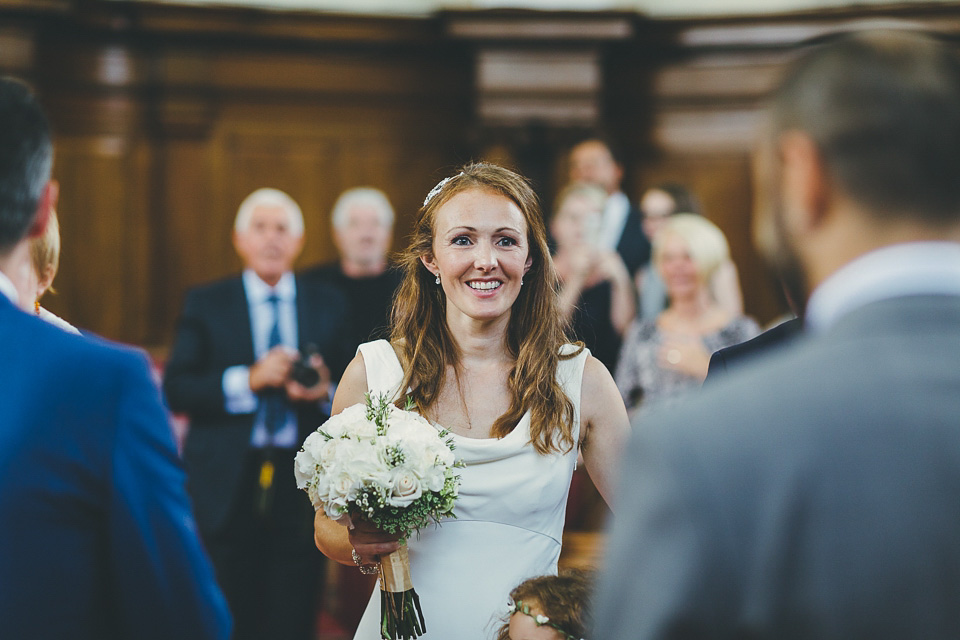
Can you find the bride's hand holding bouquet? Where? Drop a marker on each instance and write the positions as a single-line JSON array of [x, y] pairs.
[[385, 473]]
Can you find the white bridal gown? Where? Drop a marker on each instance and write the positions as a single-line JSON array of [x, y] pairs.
[[509, 522]]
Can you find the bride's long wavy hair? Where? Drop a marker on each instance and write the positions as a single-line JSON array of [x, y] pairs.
[[535, 331]]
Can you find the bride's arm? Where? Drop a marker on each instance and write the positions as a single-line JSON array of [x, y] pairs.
[[604, 423], [332, 538]]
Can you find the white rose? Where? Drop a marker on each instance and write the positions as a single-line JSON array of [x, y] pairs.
[[345, 421], [404, 488], [434, 480], [304, 468], [314, 444], [343, 487]]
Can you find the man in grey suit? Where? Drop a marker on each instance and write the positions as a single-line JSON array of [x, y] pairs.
[[815, 493]]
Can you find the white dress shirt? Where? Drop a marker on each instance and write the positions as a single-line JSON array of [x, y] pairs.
[[239, 398], [614, 219], [915, 268]]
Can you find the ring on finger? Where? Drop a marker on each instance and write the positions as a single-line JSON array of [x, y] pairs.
[[366, 569]]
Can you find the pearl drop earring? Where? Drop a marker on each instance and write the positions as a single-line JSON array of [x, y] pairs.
[[438, 279]]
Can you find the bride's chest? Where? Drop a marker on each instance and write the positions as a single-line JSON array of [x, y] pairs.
[[471, 407]]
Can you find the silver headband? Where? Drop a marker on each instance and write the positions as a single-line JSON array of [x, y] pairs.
[[439, 187]]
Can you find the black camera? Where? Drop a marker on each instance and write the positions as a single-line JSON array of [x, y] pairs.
[[302, 372]]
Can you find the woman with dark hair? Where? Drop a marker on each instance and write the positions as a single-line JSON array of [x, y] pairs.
[[478, 346]]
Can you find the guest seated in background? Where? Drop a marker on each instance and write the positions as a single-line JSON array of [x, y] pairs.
[[549, 608], [657, 204], [596, 294], [362, 221], [36, 276], [664, 357]]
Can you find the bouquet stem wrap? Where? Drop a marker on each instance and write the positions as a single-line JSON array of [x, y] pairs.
[[400, 614]]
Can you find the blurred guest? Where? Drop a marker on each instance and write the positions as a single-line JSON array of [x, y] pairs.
[[235, 370], [37, 275], [549, 608], [362, 223], [97, 537], [657, 204], [596, 294], [664, 357], [814, 494], [592, 161]]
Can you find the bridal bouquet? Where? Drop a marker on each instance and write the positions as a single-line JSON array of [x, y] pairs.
[[392, 467]]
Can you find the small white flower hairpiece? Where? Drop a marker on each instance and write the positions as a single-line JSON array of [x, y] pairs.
[[439, 187], [539, 619]]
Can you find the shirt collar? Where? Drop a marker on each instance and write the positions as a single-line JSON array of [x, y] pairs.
[[258, 291], [7, 288], [618, 202], [915, 268]]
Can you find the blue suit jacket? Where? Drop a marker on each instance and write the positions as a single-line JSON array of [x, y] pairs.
[[97, 539], [634, 246]]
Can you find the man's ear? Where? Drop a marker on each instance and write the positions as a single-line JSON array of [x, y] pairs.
[[45, 206], [806, 186]]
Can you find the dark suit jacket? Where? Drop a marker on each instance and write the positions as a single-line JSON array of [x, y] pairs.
[[213, 334], [738, 354], [96, 533], [813, 495], [634, 246]]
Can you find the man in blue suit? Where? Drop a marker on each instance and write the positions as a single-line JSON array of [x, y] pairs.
[[813, 493], [97, 539]]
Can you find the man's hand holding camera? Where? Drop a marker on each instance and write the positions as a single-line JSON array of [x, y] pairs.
[[304, 377]]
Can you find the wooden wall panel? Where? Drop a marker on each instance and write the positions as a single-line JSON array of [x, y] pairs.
[[166, 116], [104, 280]]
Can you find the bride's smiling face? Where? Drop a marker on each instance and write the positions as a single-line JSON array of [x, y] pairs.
[[480, 252]]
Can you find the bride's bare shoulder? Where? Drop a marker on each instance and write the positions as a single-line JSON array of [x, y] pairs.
[[352, 386]]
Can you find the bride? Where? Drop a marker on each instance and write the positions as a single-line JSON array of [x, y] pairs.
[[477, 343]]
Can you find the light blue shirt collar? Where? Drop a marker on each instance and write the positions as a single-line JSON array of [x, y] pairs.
[[258, 291], [915, 268], [7, 288]]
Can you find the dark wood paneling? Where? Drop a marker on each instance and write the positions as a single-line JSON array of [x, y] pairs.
[[167, 116]]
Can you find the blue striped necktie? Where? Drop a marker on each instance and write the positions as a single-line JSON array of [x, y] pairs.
[[276, 410]]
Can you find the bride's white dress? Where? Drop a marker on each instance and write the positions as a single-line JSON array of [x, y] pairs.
[[509, 522]]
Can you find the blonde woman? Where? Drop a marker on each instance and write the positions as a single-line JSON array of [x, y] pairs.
[[666, 356], [596, 293], [35, 276], [478, 345]]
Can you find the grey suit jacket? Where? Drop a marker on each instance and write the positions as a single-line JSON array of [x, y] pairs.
[[813, 495]]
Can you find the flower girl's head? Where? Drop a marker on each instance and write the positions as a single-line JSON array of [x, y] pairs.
[[548, 608]]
